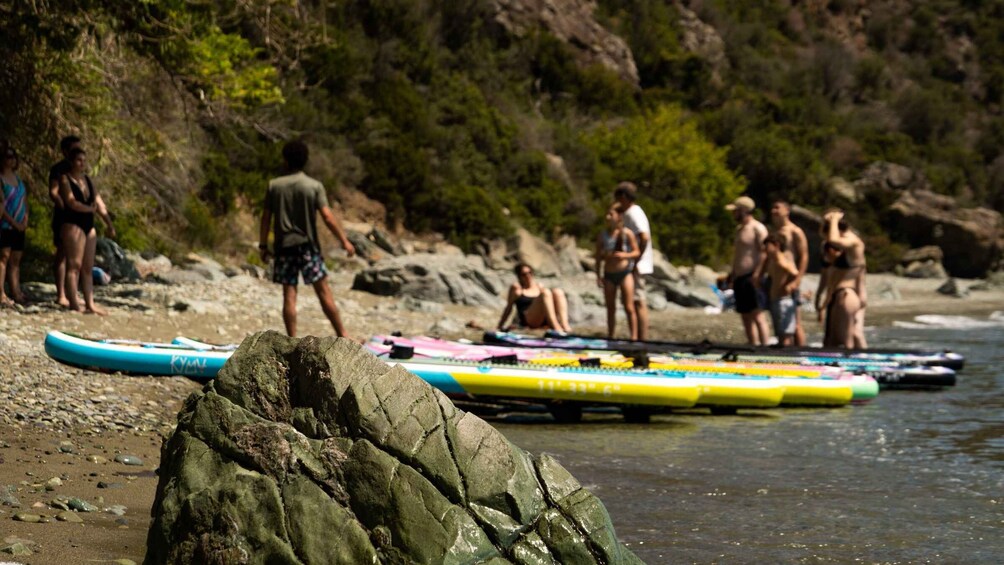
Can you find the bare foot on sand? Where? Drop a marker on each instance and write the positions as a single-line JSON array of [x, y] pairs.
[[95, 309], [64, 302]]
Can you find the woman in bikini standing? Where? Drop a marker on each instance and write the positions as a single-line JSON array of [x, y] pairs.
[[846, 297], [80, 203], [536, 307], [616, 252]]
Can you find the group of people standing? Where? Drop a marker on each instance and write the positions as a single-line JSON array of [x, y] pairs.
[[75, 204], [766, 276], [767, 271]]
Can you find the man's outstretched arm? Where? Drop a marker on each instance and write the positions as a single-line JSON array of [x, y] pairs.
[[336, 229]]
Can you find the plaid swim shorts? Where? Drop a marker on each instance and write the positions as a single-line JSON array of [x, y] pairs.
[[292, 262]]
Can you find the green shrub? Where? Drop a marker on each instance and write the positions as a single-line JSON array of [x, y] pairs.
[[677, 170]]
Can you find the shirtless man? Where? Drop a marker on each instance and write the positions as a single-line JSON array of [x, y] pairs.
[[750, 234], [797, 250], [845, 285]]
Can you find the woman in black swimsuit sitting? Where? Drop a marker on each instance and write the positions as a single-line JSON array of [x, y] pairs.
[[80, 203], [536, 307]]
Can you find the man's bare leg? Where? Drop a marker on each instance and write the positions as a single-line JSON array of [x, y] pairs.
[[799, 330], [762, 327], [641, 308], [755, 326], [289, 308], [327, 300]]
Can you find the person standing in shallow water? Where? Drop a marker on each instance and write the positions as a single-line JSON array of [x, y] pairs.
[[292, 203], [750, 301], [57, 174]]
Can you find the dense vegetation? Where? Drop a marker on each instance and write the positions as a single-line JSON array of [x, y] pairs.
[[457, 126]]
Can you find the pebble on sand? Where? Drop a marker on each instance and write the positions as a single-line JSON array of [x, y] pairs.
[[128, 459], [66, 516]]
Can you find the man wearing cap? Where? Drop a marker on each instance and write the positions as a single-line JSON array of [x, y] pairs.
[[636, 221], [749, 252]]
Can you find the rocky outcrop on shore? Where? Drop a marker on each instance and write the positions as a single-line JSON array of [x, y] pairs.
[[314, 451], [972, 239]]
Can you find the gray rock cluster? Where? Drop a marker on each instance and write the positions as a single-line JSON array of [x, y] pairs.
[[571, 21], [314, 451]]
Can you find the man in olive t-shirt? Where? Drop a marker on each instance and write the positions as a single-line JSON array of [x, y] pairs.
[[293, 201]]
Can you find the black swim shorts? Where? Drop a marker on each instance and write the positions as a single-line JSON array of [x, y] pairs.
[[12, 239], [748, 296]]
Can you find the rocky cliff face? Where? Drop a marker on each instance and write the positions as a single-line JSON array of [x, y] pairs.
[[314, 451], [972, 239], [572, 22]]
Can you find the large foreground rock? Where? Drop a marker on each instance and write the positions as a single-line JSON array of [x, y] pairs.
[[314, 451]]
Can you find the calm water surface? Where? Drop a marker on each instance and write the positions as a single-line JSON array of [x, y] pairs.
[[912, 477]]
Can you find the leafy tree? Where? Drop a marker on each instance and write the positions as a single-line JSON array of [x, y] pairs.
[[684, 179]]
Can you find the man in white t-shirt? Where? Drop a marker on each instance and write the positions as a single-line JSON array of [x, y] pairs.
[[636, 221]]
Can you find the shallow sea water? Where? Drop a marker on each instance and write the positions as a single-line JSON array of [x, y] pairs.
[[912, 477]]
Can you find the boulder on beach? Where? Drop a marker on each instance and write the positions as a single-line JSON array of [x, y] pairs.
[[972, 239], [115, 261], [315, 451], [435, 278]]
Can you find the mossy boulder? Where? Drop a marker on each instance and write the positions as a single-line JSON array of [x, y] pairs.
[[314, 451]]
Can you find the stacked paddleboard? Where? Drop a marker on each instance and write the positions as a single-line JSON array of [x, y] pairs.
[[722, 385], [891, 368]]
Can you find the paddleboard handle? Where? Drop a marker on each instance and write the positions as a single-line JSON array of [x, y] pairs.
[[402, 351]]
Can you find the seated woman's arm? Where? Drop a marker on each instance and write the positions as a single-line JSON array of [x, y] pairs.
[[503, 322]]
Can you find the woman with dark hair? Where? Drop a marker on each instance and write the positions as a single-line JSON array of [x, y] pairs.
[[846, 294], [13, 224], [616, 253], [80, 203], [536, 307]]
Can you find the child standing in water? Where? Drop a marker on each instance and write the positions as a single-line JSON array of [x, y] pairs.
[[782, 272], [616, 252]]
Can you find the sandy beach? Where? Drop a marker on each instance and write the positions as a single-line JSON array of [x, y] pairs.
[[78, 439]]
